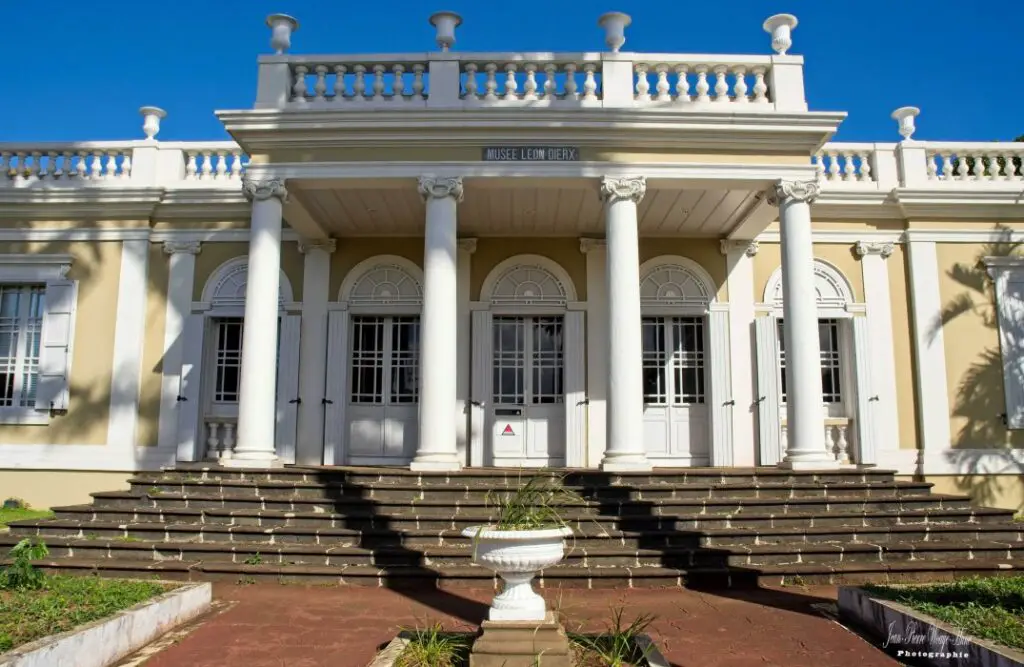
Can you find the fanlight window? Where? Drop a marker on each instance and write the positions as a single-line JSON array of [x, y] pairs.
[[229, 289], [387, 284], [529, 285], [673, 285], [830, 289]]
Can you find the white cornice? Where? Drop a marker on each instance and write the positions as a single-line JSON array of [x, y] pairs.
[[58, 202], [986, 235], [840, 236], [988, 201], [78, 234], [198, 204], [35, 267]]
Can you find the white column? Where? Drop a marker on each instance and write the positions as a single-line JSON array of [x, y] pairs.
[[438, 447], [880, 333], [739, 258], [179, 302], [257, 404], [624, 433], [805, 423], [462, 339], [597, 348], [316, 273]]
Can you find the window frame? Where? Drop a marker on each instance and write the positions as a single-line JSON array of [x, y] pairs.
[[844, 359], [23, 319], [673, 360]]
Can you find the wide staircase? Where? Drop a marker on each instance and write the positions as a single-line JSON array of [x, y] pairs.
[[392, 527]]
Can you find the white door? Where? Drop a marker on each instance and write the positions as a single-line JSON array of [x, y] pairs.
[[526, 417], [383, 393], [833, 369], [675, 414]]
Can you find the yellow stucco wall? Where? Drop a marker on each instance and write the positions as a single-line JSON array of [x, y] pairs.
[[1006, 491], [213, 255], [971, 337], [902, 343], [706, 252], [351, 251], [97, 268], [43, 489], [153, 346], [492, 251], [840, 255]]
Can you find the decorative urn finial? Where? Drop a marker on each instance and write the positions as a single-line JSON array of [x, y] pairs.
[[281, 28], [780, 27], [446, 23], [905, 117], [614, 24], [151, 121]]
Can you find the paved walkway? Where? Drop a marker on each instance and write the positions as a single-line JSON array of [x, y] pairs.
[[291, 626]]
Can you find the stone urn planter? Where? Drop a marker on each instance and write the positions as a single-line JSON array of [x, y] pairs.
[[516, 556]]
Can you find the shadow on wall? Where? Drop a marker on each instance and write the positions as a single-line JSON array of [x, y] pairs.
[[980, 399]]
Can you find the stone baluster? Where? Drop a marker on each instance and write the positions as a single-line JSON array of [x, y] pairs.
[[571, 90], [682, 84], [81, 166], [320, 87], [1009, 169], [40, 167], [190, 167], [819, 165], [491, 82], [299, 88], [842, 444], [126, 165], [849, 166], [417, 82], [59, 170], [213, 440], [339, 82], [378, 83], [550, 89], [207, 169], [662, 86], [702, 87], [511, 86], [995, 169], [228, 441], [740, 86], [222, 166], [471, 87], [963, 169], [833, 165], [96, 168], [359, 85], [760, 87], [643, 86], [236, 165], [933, 167], [865, 166], [590, 83], [530, 86], [830, 442], [398, 83], [721, 84]]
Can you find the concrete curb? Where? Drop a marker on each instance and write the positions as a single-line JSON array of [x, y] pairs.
[[104, 642], [911, 635], [389, 654]]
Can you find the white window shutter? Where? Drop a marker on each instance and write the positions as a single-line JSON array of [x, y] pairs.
[[1010, 305], [190, 396], [288, 387], [53, 389], [480, 385], [575, 389], [337, 387], [766, 335], [865, 422], [719, 396]]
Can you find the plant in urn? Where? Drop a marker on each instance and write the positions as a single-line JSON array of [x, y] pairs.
[[528, 536]]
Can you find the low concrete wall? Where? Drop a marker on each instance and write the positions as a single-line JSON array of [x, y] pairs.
[[911, 635], [104, 642]]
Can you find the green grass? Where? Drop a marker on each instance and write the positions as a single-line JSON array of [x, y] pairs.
[[65, 603], [433, 647], [17, 514], [989, 608]]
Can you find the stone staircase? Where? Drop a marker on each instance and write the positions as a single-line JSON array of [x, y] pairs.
[[392, 527]]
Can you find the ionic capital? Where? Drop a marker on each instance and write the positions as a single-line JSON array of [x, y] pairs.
[[794, 191], [880, 248], [729, 246], [467, 245], [182, 247], [439, 188], [265, 189], [631, 188], [326, 245], [586, 245]]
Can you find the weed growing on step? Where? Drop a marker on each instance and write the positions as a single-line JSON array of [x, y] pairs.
[[21, 575], [617, 646], [245, 581], [433, 647], [254, 559]]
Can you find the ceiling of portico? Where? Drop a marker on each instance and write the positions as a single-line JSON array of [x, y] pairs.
[[515, 207]]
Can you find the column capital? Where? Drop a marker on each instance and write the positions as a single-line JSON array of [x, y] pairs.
[[439, 188], [326, 245], [182, 247], [632, 188], [467, 245], [881, 248], [797, 191], [265, 189], [586, 245], [749, 248]]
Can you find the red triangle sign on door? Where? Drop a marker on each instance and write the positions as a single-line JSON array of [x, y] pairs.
[[508, 430]]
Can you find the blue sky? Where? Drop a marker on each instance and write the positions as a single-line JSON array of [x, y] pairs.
[[80, 71]]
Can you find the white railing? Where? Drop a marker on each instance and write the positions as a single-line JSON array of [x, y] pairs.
[[220, 437], [846, 163], [222, 161], [93, 161], [974, 162], [837, 438], [701, 80], [529, 78], [352, 81]]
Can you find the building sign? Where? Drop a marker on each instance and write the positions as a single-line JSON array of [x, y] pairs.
[[531, 154]]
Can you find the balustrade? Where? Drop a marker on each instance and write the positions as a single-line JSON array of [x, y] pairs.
[[846, 163], [981, 162], [89, 162], [213, 164], [837, 438], [352, 81], [701, 80], [530, 80], [220, 438]]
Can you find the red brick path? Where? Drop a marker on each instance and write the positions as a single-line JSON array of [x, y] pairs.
[[291, 626]]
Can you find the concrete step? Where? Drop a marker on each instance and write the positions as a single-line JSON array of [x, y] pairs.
[[460, 492]]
